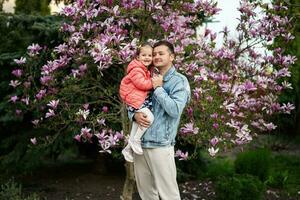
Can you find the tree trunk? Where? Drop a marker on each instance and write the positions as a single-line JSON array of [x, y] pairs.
[[128, 187]]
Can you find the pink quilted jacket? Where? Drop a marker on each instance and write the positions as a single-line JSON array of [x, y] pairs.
[[136, 84]]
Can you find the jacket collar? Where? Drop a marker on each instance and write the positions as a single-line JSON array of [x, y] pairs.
[[169, 73]]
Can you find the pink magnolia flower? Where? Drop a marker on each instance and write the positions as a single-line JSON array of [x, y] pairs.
[[82, 68], [101, 136], [20, 61], [207, 32], [14, 98], [190, 111], [247, 8], [270, 126], [214, 116], [46, 79], [101, 122], [53, 104], [287, 108], [77, 137], [287, 85], [119, 135], [113, 139], [212, 151], [17, 72], [86, 106], [83, 113], [249, 86], [68, 11], [132, 4], [105, 147], [182, 156], [27, 84], [105, 109], [18, 111], [62, 48], [33, 141], [35, 122], [50, 113], [209, 99], [40, 94], [243, 133], [15, 83], [85, 133], [214, 141], [222, 118], [215, 125], [34, 49], [75, 73], [189, 129], [25, 100]]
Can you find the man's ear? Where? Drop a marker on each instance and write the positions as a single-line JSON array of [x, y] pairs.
[[172, 57]]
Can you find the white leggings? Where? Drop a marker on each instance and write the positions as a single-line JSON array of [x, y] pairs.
[[138, 131]]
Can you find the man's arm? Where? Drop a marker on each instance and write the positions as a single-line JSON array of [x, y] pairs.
[[175, 102], [139, 117]]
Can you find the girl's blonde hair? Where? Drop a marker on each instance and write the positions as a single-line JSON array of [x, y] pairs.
[[138, 51]]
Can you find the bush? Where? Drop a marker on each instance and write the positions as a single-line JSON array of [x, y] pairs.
[[13, 191], [254, 162], [193, 168], [278, 179], [245, 187], [17, 33], [218, 168]]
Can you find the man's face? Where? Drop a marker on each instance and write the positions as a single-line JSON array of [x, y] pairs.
[[162, 57]]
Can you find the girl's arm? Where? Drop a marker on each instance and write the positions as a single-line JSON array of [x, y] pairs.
[[140, 80]]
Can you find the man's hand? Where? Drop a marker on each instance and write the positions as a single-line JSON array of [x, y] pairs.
[[157, 81], [142, 119]]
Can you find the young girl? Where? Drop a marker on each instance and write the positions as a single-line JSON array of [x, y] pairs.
[[134, 91]]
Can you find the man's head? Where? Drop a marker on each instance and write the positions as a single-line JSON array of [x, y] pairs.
[[163, 54]]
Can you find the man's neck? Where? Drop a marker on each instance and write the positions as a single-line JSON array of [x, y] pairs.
[[164, 70]]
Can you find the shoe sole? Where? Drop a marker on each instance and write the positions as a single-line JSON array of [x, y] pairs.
[[134, 149], [126, 157]]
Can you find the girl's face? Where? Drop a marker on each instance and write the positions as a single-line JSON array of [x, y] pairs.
[[145, 55]]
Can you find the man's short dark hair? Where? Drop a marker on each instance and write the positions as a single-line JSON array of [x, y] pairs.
[[165, 43]]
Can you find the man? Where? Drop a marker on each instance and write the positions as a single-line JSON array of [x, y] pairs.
[[155, 170]]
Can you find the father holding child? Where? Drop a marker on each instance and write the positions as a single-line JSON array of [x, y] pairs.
[[155, 169]]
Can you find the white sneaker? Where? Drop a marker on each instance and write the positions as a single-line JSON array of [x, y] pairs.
[[136, 146], [128, 154]]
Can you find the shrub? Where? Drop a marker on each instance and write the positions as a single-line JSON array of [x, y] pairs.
[[246, 187], [192, 169], [278, 179], [13, 191], [219, 168], [254, 162]]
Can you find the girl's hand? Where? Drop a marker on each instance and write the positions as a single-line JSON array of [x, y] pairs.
[[157, 81]]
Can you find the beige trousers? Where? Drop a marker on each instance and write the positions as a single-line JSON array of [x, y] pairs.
[[155, 173]]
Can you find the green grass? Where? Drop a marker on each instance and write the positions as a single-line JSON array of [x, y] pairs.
[[290, 163]]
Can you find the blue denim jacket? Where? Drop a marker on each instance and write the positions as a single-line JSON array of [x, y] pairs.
[[168, 103]]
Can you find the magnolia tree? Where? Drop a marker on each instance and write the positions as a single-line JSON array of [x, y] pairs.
[[235, 87]]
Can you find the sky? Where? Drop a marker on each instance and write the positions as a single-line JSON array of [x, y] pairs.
[[226, 17]]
